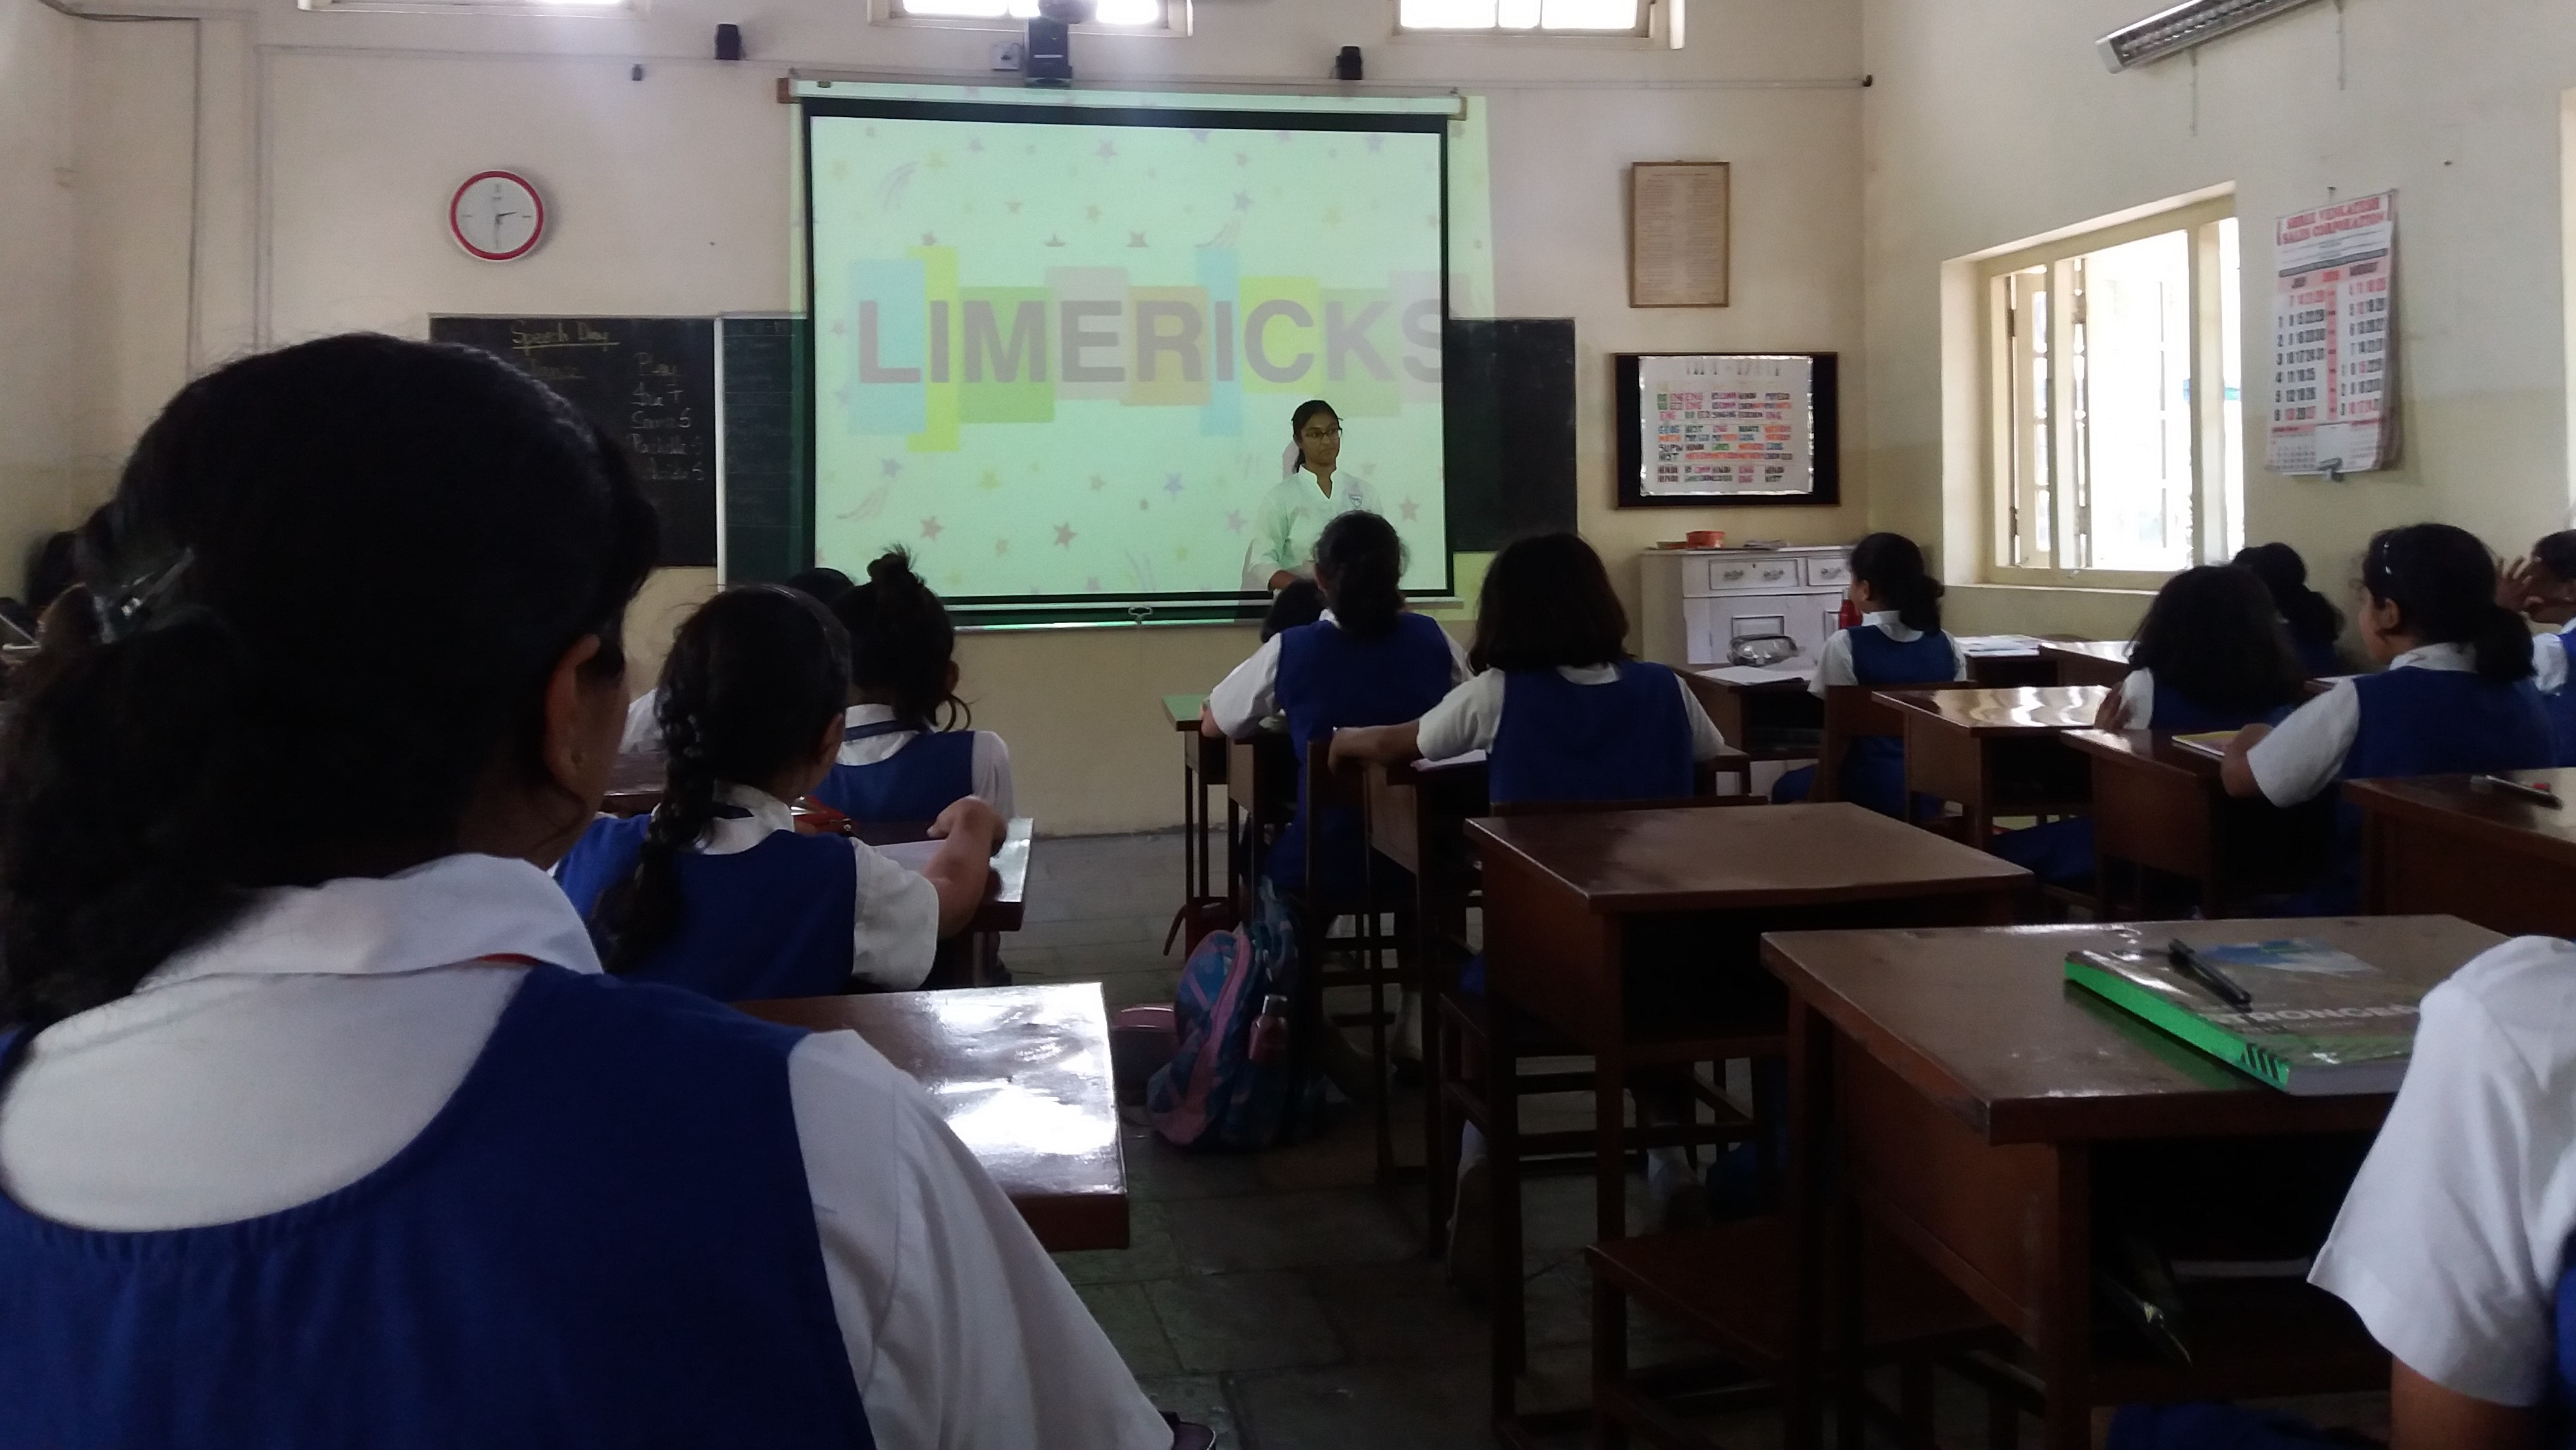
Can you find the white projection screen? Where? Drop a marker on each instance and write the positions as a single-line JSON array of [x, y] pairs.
[[1057, 340]]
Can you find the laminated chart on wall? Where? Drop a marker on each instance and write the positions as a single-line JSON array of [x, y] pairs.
[[1726, 425], [2333, 340]]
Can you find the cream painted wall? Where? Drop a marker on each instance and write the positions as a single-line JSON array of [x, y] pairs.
[[326, 144], [1991, 120], [39, 262]]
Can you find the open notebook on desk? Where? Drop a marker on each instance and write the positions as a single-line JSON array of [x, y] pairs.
[[1758, 674]]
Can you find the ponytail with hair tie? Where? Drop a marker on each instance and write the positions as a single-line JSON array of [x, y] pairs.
[[902, 644], [2443, 581]]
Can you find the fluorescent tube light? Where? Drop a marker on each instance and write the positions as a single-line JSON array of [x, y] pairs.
[[2173, 31]]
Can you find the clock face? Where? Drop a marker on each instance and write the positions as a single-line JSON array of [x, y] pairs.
[[497, 216]]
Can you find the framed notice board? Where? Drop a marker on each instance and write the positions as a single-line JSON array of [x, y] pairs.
[[1697, 429]]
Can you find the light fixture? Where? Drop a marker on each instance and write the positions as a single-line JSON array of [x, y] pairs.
[[2173, 31]]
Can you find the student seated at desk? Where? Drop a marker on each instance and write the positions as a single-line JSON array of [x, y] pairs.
[[324, 1126], [903, 754], [1367, 660], [2453, 1245], [2542, 588], [1298, 602], [2211, 655], [643, 725], [2313, 621], [2456, 696], [1565, 715], [716, 890], [1899, 641]]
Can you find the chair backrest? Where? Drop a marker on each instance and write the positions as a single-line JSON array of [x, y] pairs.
[[1572, 808]]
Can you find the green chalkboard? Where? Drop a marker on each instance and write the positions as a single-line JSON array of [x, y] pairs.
[[768, 506], [650, 381]]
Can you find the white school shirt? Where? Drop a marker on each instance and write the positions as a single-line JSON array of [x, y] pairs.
[[643, 727], [307, 1043], [1290, 518], [992, 764], [2304, 753], [1835, 668], [2138, 699], [1250, 694], [895, 931], [1471, 714], [2451, 1242], [2549, 658]]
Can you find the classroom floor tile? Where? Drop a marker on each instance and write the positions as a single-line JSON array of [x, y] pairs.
[[1283, 1299]]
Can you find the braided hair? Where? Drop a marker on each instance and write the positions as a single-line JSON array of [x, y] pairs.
[[330, 593], [902, 644], [752, 681]]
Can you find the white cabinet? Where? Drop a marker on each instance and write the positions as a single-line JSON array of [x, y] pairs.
[[1698, 602]]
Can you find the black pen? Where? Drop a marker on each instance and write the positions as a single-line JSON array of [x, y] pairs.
[[2200, 969], [2537, 795]]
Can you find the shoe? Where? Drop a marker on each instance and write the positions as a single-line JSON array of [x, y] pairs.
[[1471, 1233]]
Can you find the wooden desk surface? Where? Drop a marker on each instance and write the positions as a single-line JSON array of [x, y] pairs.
[[2145, 748], [1021, 1075], [1981, 1021], [1623, 862], [1183, 710], [2096, 651], [2489, 818], [2033, 710], [1006, 891]]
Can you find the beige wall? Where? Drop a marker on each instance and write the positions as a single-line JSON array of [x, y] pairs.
[[326, 143], [1991, 120], [39, 260]]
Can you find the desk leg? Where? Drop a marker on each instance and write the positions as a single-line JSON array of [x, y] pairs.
[[1198, 793], [1503, 1180], [1811, 1047], [2066, 1334], [1192, 802], [1439, 1136]]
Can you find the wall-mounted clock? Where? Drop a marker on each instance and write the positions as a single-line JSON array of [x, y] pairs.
[[497, 216]]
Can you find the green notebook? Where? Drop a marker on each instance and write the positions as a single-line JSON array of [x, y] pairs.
[[2321, 1021]]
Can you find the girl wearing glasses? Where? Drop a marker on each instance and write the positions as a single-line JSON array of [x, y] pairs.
[[1293, 514]]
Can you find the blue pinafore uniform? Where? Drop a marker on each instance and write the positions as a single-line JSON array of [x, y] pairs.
[[1627, 740], [1874, 765], [933, 771], [2429, 722], [777, 920], [603, 1238], [2561, 703], [1329, 679], [2316, 656]]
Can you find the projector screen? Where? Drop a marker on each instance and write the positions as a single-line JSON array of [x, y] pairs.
[[1057, 345]]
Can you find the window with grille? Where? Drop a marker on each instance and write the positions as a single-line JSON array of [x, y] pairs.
[[1577, 17]]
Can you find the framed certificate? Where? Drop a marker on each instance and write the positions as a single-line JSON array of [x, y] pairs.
[[1734, 428], [1678, 219]]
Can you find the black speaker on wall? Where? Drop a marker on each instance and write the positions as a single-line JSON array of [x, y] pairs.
[[728, 42], [1507, 396]]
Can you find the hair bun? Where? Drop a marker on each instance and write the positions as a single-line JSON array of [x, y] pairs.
[[894, 567]]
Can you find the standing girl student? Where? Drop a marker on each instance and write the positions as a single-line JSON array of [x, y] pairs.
[[2311, 618], [1899, 641], [2212, 654], [716, 890], [903, 756], [1367, 661], [322, 1125], [2456, 696]]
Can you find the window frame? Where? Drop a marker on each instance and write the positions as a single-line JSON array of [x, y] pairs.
[[1178, 19], [1660, 26], [2005, 354], [610, 10]]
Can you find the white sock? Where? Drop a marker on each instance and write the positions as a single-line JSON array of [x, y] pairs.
[[1471, 1147], [1666, 1171]]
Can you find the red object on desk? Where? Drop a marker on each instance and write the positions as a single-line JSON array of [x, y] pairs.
[[1849, 616]]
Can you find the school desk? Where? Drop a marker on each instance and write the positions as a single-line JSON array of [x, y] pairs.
[[2004, 662], [634, 783], [2086, 661], [1021, 1075], [2160, 805], [1773, 720], [2432, 843], [1202, 765], [1975, 1100], [1260, 793], [1634, 934], [1997, 752]]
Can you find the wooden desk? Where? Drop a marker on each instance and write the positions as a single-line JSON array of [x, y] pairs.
[[2430, 843], [1974, 1099], [2008, 668], [1260, 792], [1635, 933], [2161, 806], [2087, 661], [1021, 1075], [634, 783], [1996, 752], [1005, 904], [1203, 763], [1779, 720]]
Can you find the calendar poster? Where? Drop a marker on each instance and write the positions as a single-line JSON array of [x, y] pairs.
[[2333, 360], [1724, 424]]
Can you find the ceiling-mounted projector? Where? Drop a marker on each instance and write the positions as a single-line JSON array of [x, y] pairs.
[[1050, 52], [2173, 31]]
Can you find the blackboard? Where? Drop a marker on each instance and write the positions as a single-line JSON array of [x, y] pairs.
[[1508, 412], [768, 503], [650, 381]]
